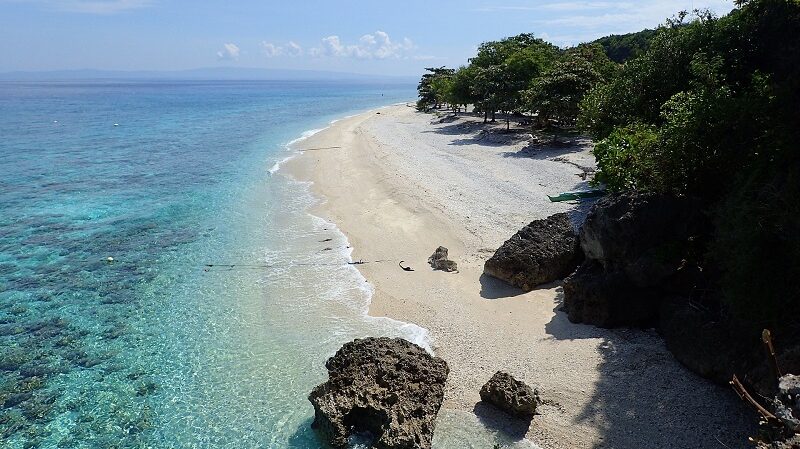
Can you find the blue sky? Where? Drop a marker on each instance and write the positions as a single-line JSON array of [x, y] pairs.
[[376, 37]]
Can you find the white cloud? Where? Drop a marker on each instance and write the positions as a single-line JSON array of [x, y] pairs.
[[370, 46], [229, 52], [103, 7], [572, 21], [586, 6], [294, 49], [272, 50]]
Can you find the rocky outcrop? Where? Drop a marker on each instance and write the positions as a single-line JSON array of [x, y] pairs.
[[389, 388], [637, 249], [783, 432], [787, 404], [541, 252], [606, 299], [439, 261], [642, 235], [510, 395]]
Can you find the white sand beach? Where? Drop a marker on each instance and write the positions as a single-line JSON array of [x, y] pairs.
[[403, 183]]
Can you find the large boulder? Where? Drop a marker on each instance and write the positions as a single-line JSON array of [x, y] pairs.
[[643, 235], [387, 387], [541, 252], [638, 250], [510, 395]]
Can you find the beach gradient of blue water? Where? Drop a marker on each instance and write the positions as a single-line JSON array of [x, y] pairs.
[[154, 348]]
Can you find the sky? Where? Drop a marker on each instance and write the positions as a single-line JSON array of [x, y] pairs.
[[382, 37]]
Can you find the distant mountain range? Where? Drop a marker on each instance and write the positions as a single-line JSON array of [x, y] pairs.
[[203, 74]]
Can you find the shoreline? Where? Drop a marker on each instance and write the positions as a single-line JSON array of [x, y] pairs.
[[399, 186]]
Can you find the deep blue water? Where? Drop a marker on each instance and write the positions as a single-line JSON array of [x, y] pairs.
[[154, 349]]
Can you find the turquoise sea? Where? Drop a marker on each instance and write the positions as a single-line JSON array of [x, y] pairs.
[[156, 349]]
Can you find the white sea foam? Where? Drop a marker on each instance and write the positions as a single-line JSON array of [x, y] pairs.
[[410, 331], [290, 147], [355, 280]]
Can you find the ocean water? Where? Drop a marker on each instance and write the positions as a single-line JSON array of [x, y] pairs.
[[224, 297]]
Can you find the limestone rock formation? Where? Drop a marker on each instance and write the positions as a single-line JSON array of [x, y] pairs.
[[636, 247], [510, 395], [439, 261], [641, 234], [387, 387], [541, 252]]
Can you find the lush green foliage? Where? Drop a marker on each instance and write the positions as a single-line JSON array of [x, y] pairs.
[[520, 74], [431, 88], [708, 107], [557, 93], [712, 109], [622, 47]]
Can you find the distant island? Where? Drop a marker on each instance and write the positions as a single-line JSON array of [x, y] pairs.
[[200, 74]]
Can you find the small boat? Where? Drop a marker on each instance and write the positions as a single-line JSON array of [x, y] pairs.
[[577, 195]]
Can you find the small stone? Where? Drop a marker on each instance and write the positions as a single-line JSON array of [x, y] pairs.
[[510, 395], [439, 261]]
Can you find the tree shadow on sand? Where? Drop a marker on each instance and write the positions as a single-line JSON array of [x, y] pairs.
[[544, 151], [476, 132], [644, 398]]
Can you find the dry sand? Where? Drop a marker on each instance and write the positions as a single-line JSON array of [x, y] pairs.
[[403, 183]]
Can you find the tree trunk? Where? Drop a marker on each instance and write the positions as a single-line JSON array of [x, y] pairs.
[[485, 116]]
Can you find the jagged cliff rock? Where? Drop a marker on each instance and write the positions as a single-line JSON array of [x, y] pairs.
[[541, 252], [637, 248], [387, 387]]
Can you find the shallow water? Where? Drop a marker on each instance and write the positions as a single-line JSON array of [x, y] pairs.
[[156, 348]]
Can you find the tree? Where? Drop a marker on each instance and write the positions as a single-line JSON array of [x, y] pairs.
[[620, 48], [427, 87], [558, 93], [502, 69]]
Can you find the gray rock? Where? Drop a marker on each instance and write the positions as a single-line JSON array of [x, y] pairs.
[[510, 395], [789, 388], [643, 235], [387, 387], [541, 252], [789, 385], [637, 248], [439, 261], [702, 343]]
